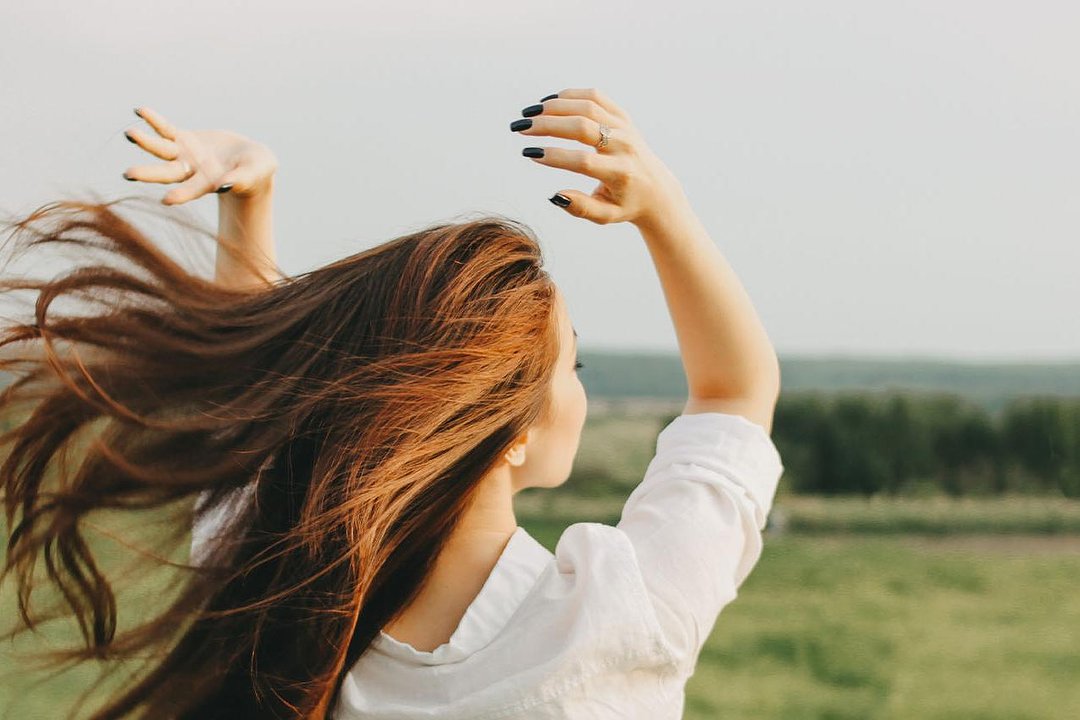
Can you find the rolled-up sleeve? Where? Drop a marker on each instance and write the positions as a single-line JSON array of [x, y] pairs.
[[696, 519]]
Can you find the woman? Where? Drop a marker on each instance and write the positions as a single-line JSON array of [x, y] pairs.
[[354, 437]]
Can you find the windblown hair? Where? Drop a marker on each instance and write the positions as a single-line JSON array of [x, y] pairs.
[[360, 402]]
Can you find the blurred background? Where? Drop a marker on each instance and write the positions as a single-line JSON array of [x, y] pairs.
[[896, 184]]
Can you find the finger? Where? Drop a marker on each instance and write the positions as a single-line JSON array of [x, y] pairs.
[[572, 127], [595, 96], [585, 108], [162, 148], [195, 186], [588, 207], [605, 168], [170, 172], [163, 127]]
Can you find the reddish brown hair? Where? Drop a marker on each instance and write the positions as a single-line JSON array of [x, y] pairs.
[[364, 400]]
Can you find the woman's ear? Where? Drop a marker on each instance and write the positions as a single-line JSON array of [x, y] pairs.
[[516, 454]]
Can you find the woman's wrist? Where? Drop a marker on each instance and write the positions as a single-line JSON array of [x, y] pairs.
[[667, 219], [245, 223]]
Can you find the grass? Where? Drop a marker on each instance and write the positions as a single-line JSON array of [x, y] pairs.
[[143, 588], [1023, 515]]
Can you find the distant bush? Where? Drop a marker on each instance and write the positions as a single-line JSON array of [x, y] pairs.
[[897, 444]]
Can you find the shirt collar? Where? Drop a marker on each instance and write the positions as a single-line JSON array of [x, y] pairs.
[[514, 575]]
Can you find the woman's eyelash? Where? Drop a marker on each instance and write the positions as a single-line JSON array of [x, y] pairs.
[[578, 365]]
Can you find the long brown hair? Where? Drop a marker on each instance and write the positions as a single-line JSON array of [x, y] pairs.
[[363, 401]]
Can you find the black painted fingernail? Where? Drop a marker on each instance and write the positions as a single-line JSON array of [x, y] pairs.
[[520, 125], [532, 110], [560, 200], [224, 188], [533, 152], [550, 97], [128, 178], [137, 112], [130, 139]]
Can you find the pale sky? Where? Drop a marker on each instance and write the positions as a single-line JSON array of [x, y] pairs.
[[885, 178]]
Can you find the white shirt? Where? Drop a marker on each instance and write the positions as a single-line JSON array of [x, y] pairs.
[[610, 625]]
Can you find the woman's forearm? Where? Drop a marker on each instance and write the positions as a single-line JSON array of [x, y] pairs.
[[246, 223], [725, 349]]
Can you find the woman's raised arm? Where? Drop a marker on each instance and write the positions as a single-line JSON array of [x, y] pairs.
[[730, 363], [240, 170], [248, 223]]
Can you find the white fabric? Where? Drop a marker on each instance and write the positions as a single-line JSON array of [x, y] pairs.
[[610, 625], [205, 530]]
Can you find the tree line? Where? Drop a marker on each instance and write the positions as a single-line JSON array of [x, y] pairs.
[[904, 443]]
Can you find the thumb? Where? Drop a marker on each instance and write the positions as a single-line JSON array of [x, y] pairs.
[[232, 178], [585, 206], [226, 182], [240, 180]]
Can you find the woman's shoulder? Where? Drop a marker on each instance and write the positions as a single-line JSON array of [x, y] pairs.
[[595, 576]]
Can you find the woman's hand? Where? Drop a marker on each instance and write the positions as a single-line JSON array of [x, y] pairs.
[[201, 161], [635, 186]]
